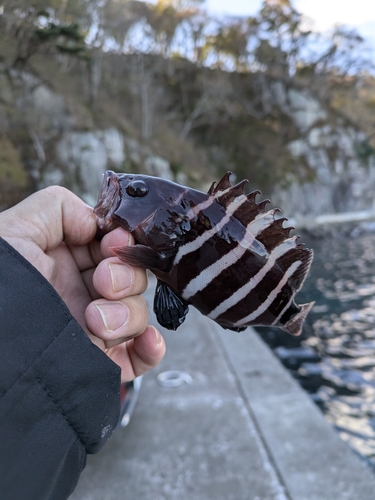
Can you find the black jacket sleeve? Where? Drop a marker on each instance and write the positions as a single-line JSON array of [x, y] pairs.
[[59, 393]]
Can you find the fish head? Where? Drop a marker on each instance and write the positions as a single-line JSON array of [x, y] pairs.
[[148, 207]]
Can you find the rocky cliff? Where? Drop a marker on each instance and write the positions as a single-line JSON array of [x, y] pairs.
[[335, 150], [44, 140], [51, 137]]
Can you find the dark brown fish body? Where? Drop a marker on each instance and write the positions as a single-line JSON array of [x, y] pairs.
[[221, 252]]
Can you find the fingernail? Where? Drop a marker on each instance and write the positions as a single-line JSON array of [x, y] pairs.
[[158, 337], [121, 276], [114, 315]]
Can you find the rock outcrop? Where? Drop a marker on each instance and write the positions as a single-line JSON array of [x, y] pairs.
[[58, 143], [344, 181]]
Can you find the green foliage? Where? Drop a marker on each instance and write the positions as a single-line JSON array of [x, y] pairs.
[[270, 56], [364, 150], [282, 37], [255, 150], [230, 41], [54, 31], [66, 38], [35, 28], [12, 171], [14, 180]]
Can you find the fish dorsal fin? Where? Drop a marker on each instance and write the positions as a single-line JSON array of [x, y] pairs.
[[274, 234], [170, 308], [222, 185], [250, 209], [306, 255], [299, 254], [225, 193], [142, 256], [246, 208], [251, 213], [232, 194]]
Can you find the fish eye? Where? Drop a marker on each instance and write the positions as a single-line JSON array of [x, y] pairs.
[[137, 189]]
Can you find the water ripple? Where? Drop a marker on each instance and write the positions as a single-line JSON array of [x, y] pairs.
[[334, 359]]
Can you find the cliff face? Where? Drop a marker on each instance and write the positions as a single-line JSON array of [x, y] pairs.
[[335, 151], [51, 137], [46, 143], [85, 156]]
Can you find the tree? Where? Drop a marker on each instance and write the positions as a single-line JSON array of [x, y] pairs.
[[228, 47], [281, 37], [31, 26]]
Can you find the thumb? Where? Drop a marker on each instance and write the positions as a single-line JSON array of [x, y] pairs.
[[49, 217]]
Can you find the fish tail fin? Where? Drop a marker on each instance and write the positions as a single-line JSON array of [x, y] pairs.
[[294, 325]]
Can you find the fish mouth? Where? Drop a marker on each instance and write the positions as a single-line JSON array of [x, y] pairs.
[[108, 201]]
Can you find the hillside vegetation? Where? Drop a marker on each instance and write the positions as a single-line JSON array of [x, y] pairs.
[[195, 90]]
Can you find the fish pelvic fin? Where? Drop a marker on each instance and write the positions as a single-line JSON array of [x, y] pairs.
[[294, 325], [142, 256], [170, 308]]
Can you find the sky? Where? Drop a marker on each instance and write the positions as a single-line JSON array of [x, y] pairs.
[[359, 14]]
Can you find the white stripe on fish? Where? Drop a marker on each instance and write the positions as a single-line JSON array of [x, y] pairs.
[[271, 297], [277, 320], [262, 221], [193, 212], [192, 246], [206, 276], [244, 291]]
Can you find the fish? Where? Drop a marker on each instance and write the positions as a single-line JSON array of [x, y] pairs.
[[221, 251]]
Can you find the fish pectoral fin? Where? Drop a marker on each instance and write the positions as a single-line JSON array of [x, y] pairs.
[[294, 325], [142, 256], [170, 309]]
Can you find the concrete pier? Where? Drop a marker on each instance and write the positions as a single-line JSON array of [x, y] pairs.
[[242, 429]]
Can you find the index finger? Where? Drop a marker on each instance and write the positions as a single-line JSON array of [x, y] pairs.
[[87, 257], [116, 238]]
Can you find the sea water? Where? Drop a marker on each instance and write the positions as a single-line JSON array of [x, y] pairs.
[[334, 359]]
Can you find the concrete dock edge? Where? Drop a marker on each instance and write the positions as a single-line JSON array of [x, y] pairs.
[[243, 429]]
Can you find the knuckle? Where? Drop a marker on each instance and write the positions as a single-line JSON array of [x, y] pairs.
[[139, 314]]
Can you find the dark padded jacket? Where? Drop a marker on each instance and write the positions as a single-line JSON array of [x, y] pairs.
[[59, 393]]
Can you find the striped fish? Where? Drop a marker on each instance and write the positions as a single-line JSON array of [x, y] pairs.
[[222, 252]]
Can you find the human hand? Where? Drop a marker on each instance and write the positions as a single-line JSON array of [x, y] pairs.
[[55, 231]]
